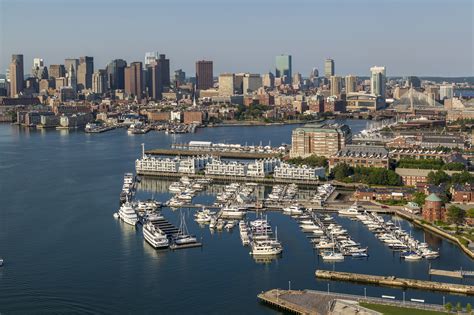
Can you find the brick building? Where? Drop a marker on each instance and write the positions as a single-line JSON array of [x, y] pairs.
[[433, 209], [193, 117]]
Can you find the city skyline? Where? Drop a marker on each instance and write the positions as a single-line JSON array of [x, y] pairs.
[[310, 39]]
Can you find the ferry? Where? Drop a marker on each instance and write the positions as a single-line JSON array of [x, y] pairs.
[[128, 214], [154, 236]]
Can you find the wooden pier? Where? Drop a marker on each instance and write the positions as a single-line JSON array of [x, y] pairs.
[[446, 273], [396, 282]]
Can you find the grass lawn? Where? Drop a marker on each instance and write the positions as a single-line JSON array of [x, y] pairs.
[[394, 310]]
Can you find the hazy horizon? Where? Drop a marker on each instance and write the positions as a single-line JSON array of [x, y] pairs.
[[424, 38]]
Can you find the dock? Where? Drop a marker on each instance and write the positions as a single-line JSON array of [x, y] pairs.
[[396, 282], [322, 302], [191, 245], [222, 154], [446, 273]]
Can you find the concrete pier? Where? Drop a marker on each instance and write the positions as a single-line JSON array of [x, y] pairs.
[[396, 282]]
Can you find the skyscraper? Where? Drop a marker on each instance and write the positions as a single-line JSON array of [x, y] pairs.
[[283, 68], [351, 83], [268, 80], [179, 77], [154, 80], [377, 81], [134, 80], [150, 57], [251, 82], [16, 75], [116, 74], [99, 81], [38, 70], [164, 66], [329, 68], [71, 65], [226, 84], [446, 91], [57, 71], [84, 72], [204, 74], [335, 85]]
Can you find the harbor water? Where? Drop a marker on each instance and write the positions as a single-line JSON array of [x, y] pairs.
[[64, 251]]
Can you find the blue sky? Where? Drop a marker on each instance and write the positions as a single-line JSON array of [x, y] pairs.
[[422, 37]]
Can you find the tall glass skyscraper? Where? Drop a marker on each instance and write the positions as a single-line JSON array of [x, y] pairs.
[[377, 81], [283, 68]]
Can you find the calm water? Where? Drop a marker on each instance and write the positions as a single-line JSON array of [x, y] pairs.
[[64, 251]]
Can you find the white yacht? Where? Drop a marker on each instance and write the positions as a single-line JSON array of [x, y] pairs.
[[128, 214], [352, 211], [265, 249], [294, 209], [154, 236], [183, 237], [332, 256], [233, 212]]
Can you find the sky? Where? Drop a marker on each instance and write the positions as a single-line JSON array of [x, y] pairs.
[[409, 37]]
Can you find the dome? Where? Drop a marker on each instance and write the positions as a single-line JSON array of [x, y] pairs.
[[433, 198]]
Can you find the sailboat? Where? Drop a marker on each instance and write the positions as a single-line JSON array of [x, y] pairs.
[[332, 255], [183, 237]]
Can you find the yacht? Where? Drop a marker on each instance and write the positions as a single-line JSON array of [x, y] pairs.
[[233, 212], [154, 236], [352, 211], [128, 214], [294, 209], [212, 223], [411, 256], [265, 249], [332, 256], [324, 245]]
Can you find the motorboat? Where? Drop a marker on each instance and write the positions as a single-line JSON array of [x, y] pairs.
[[294, 209], [233, 212], [352, 211], [332, 256]]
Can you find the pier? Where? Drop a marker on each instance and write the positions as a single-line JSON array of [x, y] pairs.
[[322, 302], [396, 282], [222, 154]]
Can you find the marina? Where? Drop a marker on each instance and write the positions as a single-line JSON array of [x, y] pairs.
[[126, 262]]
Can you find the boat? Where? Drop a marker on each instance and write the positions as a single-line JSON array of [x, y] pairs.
[[262, 248], [128, 214], [359, 255], [324, 245], [294, 209], [183, 237], [411, 256], [154, 236], [352, 211], [1, 262], [220, 224], [116, 215], [233, 212], [229, 225], [332, 256]]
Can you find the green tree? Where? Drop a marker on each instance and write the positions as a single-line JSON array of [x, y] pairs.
[[462, 178], [470, 213], [454, 166], [341, 171], [439, 177], [419, 198], [468, 308], [458, 307], [456, 215], [448, 307]]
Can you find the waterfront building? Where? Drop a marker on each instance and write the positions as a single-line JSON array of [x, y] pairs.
[[383, 194], [362, 102], [116, 74], [283, 69], [75, 120], [204, 74], [48, 121], [226, 84], [224, 168], [378, 81], [361, 155], [16, 75], [134, 80], [319, 139], [193, 117], [290, 171], [433, 209], [336, 86], [85, 70], [187, 165], [99, 82], [251, 83], [350, 84], [329, 68], [262, 168], [446, 92]]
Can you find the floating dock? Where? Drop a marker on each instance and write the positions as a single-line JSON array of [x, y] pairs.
[[183, 246], [396, 282]]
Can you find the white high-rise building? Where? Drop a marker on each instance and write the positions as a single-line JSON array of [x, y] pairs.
[[378, 80], [151, 57], [446, 91]]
